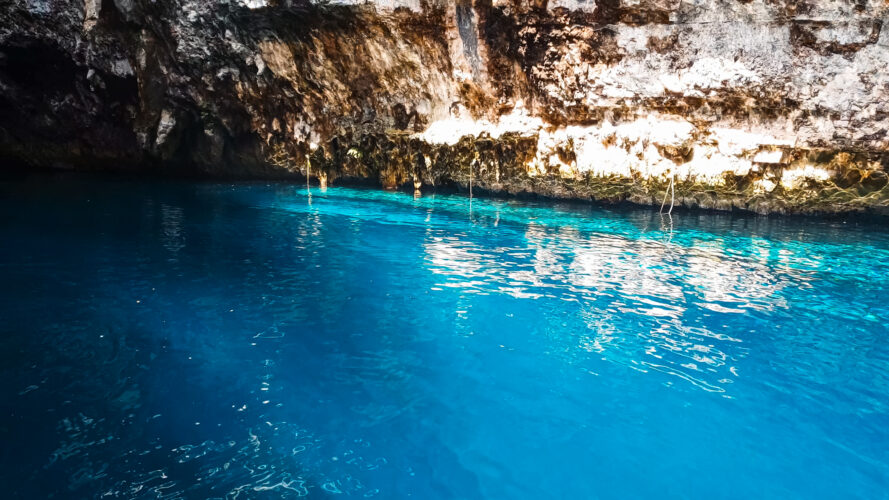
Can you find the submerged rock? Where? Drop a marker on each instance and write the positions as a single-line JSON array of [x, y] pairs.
[[773, 107]]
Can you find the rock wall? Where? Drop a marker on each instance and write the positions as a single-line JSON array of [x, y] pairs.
[[764, 105]]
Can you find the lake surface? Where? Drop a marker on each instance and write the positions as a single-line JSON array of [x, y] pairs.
[[207, 340]]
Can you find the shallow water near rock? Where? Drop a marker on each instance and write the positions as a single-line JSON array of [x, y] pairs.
[[208, 340]]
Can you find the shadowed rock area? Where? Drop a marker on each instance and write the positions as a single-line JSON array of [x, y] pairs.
[[778, 106]]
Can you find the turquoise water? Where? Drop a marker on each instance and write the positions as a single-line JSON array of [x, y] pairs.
[[201, 340]]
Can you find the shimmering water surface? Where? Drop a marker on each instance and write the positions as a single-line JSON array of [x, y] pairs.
[[201, 340]]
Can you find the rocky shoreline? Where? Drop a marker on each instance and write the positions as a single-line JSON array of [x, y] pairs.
[[769, 107]]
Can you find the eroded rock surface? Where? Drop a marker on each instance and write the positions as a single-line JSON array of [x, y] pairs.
[[771, 106]]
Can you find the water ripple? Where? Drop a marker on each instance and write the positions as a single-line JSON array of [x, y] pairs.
[[188, 340]]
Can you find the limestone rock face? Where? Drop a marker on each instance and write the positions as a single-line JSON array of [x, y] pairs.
[[770, 106]]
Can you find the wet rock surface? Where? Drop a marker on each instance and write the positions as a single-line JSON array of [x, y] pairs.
[[772, 107]]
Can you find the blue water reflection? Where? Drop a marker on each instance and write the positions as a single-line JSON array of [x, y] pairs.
[[207, 340]]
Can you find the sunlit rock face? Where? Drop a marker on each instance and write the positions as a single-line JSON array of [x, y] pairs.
[[770, 106]]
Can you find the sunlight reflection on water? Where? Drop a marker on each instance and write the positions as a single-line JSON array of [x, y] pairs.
[[237, 341]]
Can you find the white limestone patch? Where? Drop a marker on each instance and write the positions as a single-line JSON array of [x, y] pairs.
[[581, 5], [254, 4], [599, 159], [764, 186], [710, 166], [660, 131], [773, 157], [845, 33], [633, 149], [715, 73], [793, 178], [450, 130], [735, 142]]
